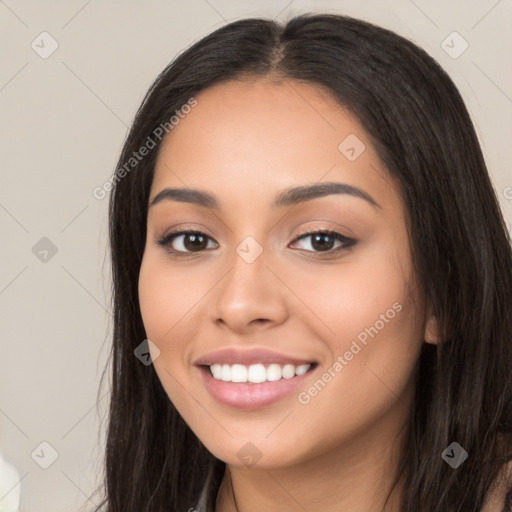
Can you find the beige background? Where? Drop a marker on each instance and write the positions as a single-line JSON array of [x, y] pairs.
[[63, 121]]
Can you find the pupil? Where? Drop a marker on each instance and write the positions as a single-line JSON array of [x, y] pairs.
[[198, 242], [319, 242]]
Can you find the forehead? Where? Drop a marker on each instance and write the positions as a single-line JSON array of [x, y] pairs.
[[265, 134]]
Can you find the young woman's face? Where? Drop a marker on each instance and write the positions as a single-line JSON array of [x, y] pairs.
[[254, 290]]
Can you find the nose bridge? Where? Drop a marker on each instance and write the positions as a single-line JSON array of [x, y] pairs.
[[249, 291]]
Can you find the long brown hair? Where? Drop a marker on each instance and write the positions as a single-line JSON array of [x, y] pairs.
[[462, 256]]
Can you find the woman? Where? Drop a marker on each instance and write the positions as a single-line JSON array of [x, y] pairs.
[[307, 245]]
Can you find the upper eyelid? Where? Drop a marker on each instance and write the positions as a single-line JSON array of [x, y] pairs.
[[167, 238], [180, 228], [306, 232]]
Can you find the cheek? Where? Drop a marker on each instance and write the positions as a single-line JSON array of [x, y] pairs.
[[167, 296], [345, 298], [368, 319]]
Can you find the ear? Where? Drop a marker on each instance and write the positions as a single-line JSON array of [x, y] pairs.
[[432, 331]]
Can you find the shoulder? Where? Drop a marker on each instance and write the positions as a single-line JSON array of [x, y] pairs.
[[495, 500]]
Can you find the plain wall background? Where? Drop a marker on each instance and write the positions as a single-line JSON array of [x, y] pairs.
[[63, 122]]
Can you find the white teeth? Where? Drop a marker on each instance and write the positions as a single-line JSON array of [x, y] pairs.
[[238, 373], [301, 370], [256, 373], [226, 372], [273, 372], [216, 370], [288, 371]]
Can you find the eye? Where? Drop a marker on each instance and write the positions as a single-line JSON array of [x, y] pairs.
[[322, 241], [183, 243]]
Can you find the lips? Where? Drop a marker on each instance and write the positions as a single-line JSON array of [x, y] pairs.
[[255, 391]]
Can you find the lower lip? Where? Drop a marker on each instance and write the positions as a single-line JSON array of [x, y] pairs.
[[248, 396]]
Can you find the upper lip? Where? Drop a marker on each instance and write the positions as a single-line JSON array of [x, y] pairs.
[[247, 357]]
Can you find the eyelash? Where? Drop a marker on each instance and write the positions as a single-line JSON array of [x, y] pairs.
[[345, 241]]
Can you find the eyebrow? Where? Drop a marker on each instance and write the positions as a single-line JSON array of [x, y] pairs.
[[287, 197]]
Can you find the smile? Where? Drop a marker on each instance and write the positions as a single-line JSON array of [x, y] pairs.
[[256, 373], [255, 386]]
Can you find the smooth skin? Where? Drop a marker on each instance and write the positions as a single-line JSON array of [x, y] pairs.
[[244, 142]]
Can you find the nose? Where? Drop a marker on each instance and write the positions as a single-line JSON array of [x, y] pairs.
[[249, 297]]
